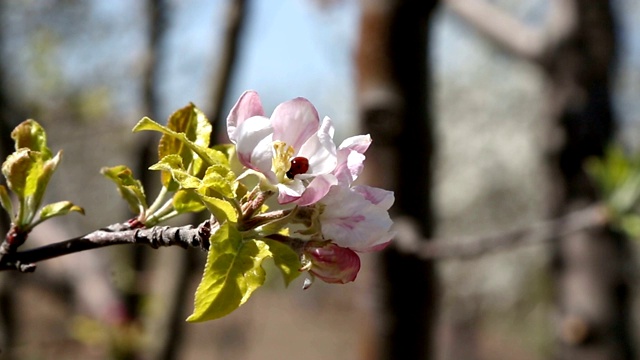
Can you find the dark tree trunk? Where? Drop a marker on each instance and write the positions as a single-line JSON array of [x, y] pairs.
[[577, 54], [593, 295], [394, 100]]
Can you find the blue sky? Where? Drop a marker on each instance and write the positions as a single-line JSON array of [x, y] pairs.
[[291, 49]]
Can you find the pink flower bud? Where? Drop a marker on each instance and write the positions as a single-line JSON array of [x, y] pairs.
[[331, 263]]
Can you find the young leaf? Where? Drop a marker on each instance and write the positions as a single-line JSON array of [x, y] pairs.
[[130, 189], [187, 201], [202, 152], [221, 209], [5, 201], [286, 260], [232, 273], [16, 168], [39, 180], [193, 123], [29, 134], [58, 209], [219, 179], [172, 165]]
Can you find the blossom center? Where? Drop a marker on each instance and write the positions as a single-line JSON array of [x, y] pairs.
[[281, 162]]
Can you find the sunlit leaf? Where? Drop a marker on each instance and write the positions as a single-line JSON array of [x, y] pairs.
[[38, 181], [202, 152], [232, 273], [187, 201], [29, 134], [58, 209], [219, 179], [194, 125], [172, 165], [130, 188], [16, 168], [221, 209], [286, 260], [5, 201]]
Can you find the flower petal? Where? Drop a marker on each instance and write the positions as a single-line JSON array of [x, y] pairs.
[[253, 143], [316, 190], [350, 158], [248, 105], [352, 221], [294, 122], [377, 196], [358, 143], [320, 150]]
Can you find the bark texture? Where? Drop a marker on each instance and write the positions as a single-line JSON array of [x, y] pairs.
[[393, 93]]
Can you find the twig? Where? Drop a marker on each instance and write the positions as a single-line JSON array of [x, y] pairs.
[[514, 36], [408, 239], [184, 236]]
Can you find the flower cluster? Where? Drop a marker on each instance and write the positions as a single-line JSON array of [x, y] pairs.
[[295, 156]]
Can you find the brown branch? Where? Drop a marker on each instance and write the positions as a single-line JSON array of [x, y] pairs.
[[184, 236], [235, 19], [409, 241], [514, 36]]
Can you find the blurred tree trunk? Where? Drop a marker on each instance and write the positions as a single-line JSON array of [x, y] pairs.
[[394, 102], [576, 52], [9, 118], [236, 18]]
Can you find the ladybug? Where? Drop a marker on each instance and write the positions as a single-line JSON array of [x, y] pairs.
[[299, 165]]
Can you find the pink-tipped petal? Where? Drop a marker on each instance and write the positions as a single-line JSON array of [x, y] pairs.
[[358, 143], [352, 221], [320, 150], [294, 122], [377, 196], [316, 190], [253, 143], [248, 105], [290, 192]]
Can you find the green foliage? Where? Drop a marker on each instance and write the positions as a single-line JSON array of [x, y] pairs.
[[287, 260], [232, 273], [27, 172], [200, 177], [194, 177], [128, 187], [617, 177]]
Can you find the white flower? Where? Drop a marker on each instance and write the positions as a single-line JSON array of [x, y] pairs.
[[357, 218]]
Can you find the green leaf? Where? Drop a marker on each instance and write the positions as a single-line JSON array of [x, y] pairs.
[[38, 181], [187, 201], [58, 209], [130, 188], [221, 209], [29, 134], [286, 260], [232, 273], [220, 179], [193, 123], [202, 152], [5, 201], [16, 169], [172, 165]]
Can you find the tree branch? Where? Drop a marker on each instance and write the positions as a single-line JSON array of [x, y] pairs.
[[408, 239], [184, 236], [514, 36]]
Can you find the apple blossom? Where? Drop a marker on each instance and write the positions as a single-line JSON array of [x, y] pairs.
[[293, 149]]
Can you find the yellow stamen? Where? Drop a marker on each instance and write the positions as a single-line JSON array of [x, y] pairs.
[[281, 162]]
